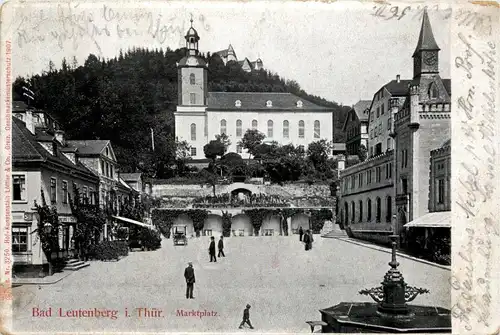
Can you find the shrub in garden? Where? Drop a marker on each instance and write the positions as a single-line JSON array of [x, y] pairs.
[[150, 239], [108, 250]]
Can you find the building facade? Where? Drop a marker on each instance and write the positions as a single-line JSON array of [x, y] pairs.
[[200, 115], [408, 120], [356, 127], [40, 165], [99, 157], [228, 55]]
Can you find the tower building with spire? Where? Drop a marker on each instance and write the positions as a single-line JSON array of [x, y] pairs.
[[201, 115], [408, 119]]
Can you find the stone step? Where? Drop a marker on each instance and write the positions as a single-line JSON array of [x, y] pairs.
[[76, 266], [72, 261]]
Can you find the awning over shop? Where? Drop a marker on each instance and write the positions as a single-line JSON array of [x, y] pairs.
[[431, 220], [133, 222]]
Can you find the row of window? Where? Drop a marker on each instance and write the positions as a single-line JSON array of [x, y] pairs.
[[270, 128], [21, 236], [106, 168], [351, 215], [377, 130], [365, 177], [19, 190]]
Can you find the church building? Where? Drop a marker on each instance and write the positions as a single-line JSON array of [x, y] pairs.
[[200, 115], [408, 120]]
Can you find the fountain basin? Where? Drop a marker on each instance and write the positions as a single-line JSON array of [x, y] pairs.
[[353, 317]]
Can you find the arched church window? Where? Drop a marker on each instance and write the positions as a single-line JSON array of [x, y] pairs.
[[433, 91], [223, 127], [254, 124], [299, 104], [317, 127], [270, 128], [301, 129], [192, 79], [269, 103], [193, 132], [237, 103], [286, 129], [238, 128]]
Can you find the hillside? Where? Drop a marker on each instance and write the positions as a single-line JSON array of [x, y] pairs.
[[121, 99]]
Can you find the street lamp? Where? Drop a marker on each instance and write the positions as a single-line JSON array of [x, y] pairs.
[[47, 228]]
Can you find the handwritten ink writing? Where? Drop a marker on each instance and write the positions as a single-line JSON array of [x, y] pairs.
[[396, 12], [466, 104]]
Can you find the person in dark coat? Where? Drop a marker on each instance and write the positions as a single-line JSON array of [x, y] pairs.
[[211, 250], [246, 317], [221, 247], [189, 275], [307, 240], [301, 232]]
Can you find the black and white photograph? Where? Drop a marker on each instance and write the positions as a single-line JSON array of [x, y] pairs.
[[229, 167]]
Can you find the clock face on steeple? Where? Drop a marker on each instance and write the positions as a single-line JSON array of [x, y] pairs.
[[430, 59]]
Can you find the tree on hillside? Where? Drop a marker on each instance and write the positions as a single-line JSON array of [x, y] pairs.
[[251, 140], [317, 153], [182, 156]]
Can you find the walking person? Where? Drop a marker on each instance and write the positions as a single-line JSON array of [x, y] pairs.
[[307, 240], [211, 250], [189, 276], [246, 317], [301, 232], [311, 239], [221, 247]]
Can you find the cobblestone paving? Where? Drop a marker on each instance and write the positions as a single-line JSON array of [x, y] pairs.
[[284, 284]]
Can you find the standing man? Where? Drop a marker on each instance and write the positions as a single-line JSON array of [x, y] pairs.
[[211, 250], [301, 232], [307, 241], [189, 275], [246, 317], [221, 247]]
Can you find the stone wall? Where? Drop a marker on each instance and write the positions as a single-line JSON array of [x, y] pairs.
[[299, 190]]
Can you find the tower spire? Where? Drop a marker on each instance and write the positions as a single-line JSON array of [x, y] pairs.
[[191, 20], [426, 39]]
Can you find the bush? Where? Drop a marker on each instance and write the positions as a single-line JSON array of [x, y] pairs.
[[150, 239], [108, 250]]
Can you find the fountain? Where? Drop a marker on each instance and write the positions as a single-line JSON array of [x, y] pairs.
[[391, 313]]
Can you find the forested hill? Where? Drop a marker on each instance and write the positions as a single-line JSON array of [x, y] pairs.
[[120, 99]]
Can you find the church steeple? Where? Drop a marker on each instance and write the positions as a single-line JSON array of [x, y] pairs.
[[425, 57], [192, 39]]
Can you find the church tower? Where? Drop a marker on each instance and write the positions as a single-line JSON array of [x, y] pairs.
[[425, 57], [192, 73]]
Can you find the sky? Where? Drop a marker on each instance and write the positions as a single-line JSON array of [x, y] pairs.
[[340, 51]]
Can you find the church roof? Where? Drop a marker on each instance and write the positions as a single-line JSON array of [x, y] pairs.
[[258, 100], [426, 39], [192, 32], [192, 61], [398, 88]]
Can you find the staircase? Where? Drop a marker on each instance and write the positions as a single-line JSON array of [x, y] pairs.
[[75, 265], [335, 232]]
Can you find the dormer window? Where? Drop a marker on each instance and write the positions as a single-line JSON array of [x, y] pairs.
[[299, 104], [269, 103], [433, 91], [237, 103]]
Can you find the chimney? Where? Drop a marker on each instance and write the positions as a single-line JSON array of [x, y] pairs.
[[398, 78], [30, 124], [60, 137]]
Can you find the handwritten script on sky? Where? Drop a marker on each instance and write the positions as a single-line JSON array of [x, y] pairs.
[[476, 168]]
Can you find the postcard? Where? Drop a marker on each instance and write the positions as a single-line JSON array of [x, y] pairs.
[[262, 167]]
